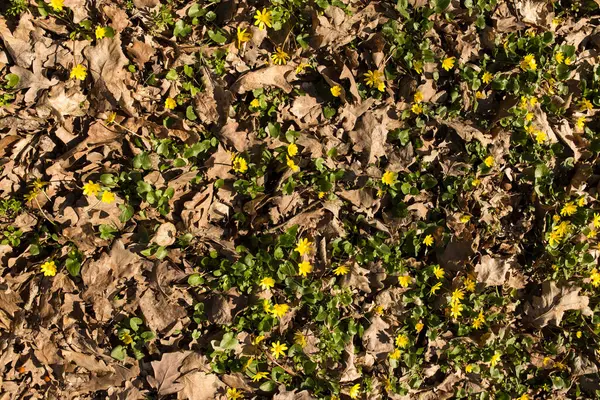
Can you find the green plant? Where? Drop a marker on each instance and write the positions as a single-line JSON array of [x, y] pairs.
[[134, 337]]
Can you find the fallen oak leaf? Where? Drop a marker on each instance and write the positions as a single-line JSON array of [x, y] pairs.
[[166, 373], [271, 76], [554, 302]]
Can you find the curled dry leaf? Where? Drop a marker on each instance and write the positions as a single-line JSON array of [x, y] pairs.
[[554, 302]]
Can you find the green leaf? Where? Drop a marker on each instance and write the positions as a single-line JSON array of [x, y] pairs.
[[12, 80], [119, 353], [161, 252], [73, 266], [127, 212], [196, 11], [268, 386], [181, 29], [134, 323], [172, 75], [189, 113], [195, 280], [217, 37], [441, 5], [142, 161], [229, 341]]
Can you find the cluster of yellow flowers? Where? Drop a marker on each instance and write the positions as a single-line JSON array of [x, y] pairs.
[[528, 63], [92, 189], [456, 306], [277, 310]]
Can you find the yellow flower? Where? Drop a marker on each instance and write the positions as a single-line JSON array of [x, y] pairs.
[[528, 63], [456, 310], [257, 341], [559, 57], [111, 118], [91, 188], [259, 376], [556, 21], [469, 284], [495, 358], [438, 272], [595, 277], [292, 149], [476, 182], [263, 19], [304, 268], [469, 368], [448, 63], [126, 338], [48, 268], [457, 296], [234, 394], [100, 32], [341, 270], [578, 334], [243, 36], [402, 341], [585, 104], [465, 218], [292, 165], [580, 123], [321, 194], [336, 90], [563, 228], [278, 349], [546, 361], [395, 355], [303, 246], [267, 306], [417, 108], [419, 327], [540, 136], [487, 77], [170, 103], [592, 234], [529, 117], [418, 67], [489, 161], [568, 61], [388, 178], [418, 97], [554, 238], [524, 397], [78, 72], [300, 339], [354, 391], [435, 288], [107, 197], [404, 280], [280, 57], [301, 67], [240, 164], [596, 220], [428, 240], [374, 79], [279, 310], [479, 95], [480, 320], [267, 283], [57, 5], [379, 310], [568, 209]]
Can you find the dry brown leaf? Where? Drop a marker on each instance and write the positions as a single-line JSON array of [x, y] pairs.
[[200, 386], [166, 234], [166, 373], [370, 135], [554, 302], [33, 81], [141, 52], [274, 75], [377, 338]]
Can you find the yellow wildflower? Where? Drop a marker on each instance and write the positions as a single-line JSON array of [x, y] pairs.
[[396, 354], [404, 280], [438, 272], [596, 220], [48, 268], [255, 103], [375, 79], [234, 394], [456, 310], [107, 197], [279, 310], [435, 288], [336, 90], [469, 368], [240, 164], [465, 218], [267, 283], [402, 341], [292, 165], [278, 349], [389, 178], [257, 341], [100, 32], [528, 63], [418, 97], [487, 77], [479, 95], [354, 391], [280, 57], [568, 61], [469, 284], [259, 376], [457, 296], [263, 19], [78, 72], [304, 268], [495, 358], [428, 240], [170, 103], [554, 238], [580, 123], [243, 36], [418, 67], [489, 161], [559, 57], [341, 270], [585, 104], [419, 327], [91, 188], [540, 136], [529, 117], [304, 246], [595, 277], [448, 63], [292, 149], [417, 108], [300, 339], [568, 209], [267, 305], [480, 320], [57, 5], [301, 67], [476, 182]]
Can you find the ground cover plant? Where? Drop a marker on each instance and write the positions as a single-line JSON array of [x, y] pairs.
[[331, 199]]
